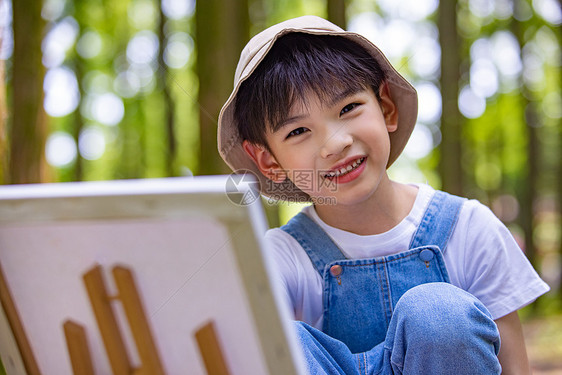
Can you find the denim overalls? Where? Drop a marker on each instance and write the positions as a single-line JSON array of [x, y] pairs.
[[360, 295]]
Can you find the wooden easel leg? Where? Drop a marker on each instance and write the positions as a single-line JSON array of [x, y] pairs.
[[16, 325], [78, 351], [110, 333], [210, 350], [148, 353]]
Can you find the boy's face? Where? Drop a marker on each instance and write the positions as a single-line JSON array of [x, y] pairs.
[[338, 149]]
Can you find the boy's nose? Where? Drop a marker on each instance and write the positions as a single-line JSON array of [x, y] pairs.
[[335, 143]]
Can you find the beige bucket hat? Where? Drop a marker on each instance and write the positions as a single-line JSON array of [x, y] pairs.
[[229, 141]]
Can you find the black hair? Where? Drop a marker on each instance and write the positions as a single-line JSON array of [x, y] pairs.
[[297, 64]]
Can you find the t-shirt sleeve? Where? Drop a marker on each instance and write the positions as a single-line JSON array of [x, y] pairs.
[[298, 280], [496, 270], [282, 262]]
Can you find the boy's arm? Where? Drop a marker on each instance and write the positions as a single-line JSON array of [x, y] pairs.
[[512, 356]]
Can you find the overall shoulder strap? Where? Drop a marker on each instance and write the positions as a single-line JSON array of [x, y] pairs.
[[438, 221], [319, 247]]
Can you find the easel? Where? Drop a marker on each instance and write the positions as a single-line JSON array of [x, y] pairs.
[[29, 362], [101, 301]]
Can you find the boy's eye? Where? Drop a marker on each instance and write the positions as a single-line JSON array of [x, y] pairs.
[[348, 108], [296, 131]]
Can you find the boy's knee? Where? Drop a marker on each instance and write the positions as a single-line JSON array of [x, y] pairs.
[[437, 299], [441, 312], [443, 322]]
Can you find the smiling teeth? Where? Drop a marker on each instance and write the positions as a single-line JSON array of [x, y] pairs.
[[345, 170]]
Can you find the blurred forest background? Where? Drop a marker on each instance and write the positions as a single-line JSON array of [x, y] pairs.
[[118, 89]]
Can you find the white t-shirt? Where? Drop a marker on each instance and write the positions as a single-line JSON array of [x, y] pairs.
[[481, 257]]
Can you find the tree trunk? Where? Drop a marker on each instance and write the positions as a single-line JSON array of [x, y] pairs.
[[450, 166], [4, 155], [28, 128], [528, 191], [559, 195], [81, 15], [169, 105], [221, 30], [78, 124], [336, 12]]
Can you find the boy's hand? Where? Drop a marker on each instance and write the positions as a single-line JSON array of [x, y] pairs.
[[513, 355]]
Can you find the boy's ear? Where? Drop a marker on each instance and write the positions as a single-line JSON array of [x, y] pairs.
[[265, 161], [389, 109]]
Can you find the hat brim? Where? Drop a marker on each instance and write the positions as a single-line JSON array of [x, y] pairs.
[[230, 147]]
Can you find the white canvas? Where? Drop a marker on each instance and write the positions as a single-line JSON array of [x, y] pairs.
[[195, 254]]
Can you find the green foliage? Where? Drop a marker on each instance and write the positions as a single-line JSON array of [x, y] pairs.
[[137, 146], [278, 11], [495, 144], [494, 154]]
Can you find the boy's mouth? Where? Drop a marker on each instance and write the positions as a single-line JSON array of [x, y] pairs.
[[346, 169]]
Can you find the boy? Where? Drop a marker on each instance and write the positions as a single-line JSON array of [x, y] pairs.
[[383, 277]]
